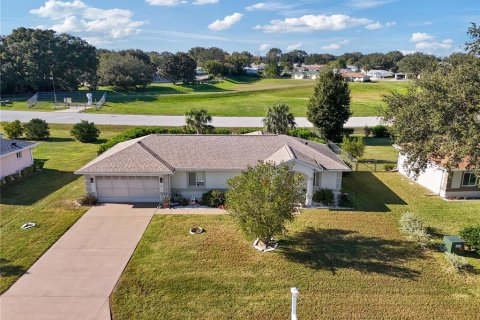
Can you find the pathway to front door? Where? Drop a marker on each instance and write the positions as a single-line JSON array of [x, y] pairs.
[[74, 278]]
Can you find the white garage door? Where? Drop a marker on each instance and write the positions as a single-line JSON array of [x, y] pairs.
[[128, 189]]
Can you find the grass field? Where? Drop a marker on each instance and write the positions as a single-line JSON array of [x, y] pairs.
[[232, 97], [347, 265], [45, 198]]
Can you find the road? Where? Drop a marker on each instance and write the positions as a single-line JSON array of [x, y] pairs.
[[163, 121]]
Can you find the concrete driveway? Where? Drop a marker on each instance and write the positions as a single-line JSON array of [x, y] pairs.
[[74, 278]]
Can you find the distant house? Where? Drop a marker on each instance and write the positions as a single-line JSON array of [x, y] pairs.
[[379, 74], [458, 184], [351, 67], [250, 71], [355, 76], [312, 67], [312, 75], [400, 76], [15, 155], [150, 167], [299, 75]]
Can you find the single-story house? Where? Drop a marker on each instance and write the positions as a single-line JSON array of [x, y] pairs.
[[458, 183], [379, 74], [312, 75], [299, 75], [250, 71], [312, 67], [15, 155], [400, 76], [146, 168], [355, 76]]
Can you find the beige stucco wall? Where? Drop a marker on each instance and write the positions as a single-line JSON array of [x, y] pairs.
[[10, 164]]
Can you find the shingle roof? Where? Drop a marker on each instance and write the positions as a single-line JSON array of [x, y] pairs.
[[11, 146], [163, 153]]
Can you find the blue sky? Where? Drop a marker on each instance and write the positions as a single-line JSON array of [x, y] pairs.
[[432, 26]]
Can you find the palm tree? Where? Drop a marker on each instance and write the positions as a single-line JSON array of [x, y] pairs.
[[198, 119], [279, 119]]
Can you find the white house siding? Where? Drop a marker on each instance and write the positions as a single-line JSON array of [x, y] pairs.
[[456, 190], [331, 180], [10, 164], [213, 180], [456, 179], [431, 178]]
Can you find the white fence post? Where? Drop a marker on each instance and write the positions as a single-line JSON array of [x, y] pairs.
[[294, 292]]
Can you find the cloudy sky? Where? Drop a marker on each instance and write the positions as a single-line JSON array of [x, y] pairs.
[[433, 26]]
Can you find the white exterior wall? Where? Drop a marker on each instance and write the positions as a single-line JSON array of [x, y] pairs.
[[331, 180], [10, 164], [431, 178], [456, 179], [218, 179], [213, 180]]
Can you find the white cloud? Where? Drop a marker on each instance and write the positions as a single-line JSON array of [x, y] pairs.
[[405, 52], [434, 45], [226, 22], [378, 25], [336, 45], [420, 36], [200, 2], [267, 6], [294, 46], [98, 25], [308, 23], [391, 24], [264, 46], [366, 4], [165, 3]]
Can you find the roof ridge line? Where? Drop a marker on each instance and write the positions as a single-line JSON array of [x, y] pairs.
[[156, 156]]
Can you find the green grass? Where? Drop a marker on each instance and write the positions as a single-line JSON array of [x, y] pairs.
[[45, 198], [232, 97], [346, 264]]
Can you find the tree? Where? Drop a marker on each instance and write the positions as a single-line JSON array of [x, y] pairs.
[[473, 46], [14, 129], [202, 55], [316, 58], [355, 146], [178, 67], [214, 68], [295, 56], [272, 70], [168, 67], [352, 57], [238, 61], [416, 63], [123, 71], [36, 129], [391, 60], [279, 119], [262, 199], [85, 131], [372, 61], [437, 119], [30, 57], [273, 55], [329, 106], [197, 120]]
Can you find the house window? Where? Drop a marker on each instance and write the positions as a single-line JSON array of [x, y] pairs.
[[196, 179], [316, 179], [19, 154], [469, 179]]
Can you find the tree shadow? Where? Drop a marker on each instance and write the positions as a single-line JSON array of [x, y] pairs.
[[39, 185], [59, 139], [369, 193], [7, 269], [242, 80], [372, 141], [334, 249], [204, 87]]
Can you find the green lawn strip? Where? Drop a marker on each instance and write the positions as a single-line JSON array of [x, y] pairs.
[[344, 264], [45, 198], [229, 98]]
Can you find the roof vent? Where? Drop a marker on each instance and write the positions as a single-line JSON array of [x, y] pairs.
[[14, 144]]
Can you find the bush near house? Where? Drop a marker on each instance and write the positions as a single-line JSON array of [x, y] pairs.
[[388, 167], [471, 235], [380, 131], [88, 200], [214, 198], [324, 196], [14, 129], [367, 131], [344, 200], [36, 129], [414, 228], [85, 131]]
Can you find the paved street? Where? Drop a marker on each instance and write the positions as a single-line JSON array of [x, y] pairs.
[[164, 121], [75, 277]]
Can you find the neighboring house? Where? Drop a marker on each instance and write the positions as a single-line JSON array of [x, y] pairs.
[[459, 183], [355, 76], [352, 68], [299, 75], [250, 71], [15, 155], [379, 74], [400, 76], [146, 168], [312, 67], [312, 75]]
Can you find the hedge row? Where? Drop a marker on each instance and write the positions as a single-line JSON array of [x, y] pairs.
[[18, 175]]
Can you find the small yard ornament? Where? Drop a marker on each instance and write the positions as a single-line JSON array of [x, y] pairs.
[[28, 225]]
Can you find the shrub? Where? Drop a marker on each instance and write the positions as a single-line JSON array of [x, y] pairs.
[[88, 200], [413, 227], [174, 131], [305, 134], [355, 146], [39, 164], [14, 129], [214, 198], [247, 130], [344, 200], [37, 129], [222, 131], [177, 197], [367, 131], [324, 196], [388, 167], [28, 171], [458, 262], [471, 235], [380, 131], [347, 132], [10, 178], [85, 131]]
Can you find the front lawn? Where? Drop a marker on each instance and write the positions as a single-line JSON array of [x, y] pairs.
[[346, 264], [45, 198]]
